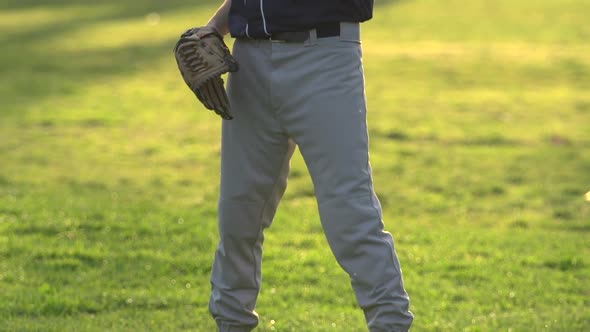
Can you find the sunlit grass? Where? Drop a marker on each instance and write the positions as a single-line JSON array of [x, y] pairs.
[[480, 149]]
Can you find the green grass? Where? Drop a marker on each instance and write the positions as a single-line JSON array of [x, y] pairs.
[[479, 116]]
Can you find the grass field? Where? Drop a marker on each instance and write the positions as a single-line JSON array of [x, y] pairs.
[[479, 115]]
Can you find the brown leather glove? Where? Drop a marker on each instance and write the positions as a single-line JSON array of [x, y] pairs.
[[202, 58]]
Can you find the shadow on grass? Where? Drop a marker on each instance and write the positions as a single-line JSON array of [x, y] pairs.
[[29, 35], [126, 6], [30, 74]]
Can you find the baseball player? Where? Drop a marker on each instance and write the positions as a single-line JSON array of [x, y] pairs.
[[300, 83]]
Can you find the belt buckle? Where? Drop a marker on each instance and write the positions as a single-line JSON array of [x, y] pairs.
[[290, 37], [276, 41]]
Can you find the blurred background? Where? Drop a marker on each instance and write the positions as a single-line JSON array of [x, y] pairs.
[[479, 117]]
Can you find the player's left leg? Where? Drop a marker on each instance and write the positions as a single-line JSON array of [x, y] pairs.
[[328, 122]]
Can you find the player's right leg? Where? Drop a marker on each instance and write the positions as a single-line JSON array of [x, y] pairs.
[[254, 168]]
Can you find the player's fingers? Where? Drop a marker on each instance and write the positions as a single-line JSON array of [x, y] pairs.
[[203, 97], [221, 95], [216, 91], [211, 94]]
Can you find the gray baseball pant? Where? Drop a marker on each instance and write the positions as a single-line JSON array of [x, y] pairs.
[[311, 95]]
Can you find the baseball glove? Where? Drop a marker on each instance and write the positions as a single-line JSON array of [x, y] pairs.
[[202, 58]]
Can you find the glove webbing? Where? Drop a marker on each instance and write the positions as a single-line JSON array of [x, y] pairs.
[[194, 61]]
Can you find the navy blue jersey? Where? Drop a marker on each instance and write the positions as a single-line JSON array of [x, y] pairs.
[[261, 18]]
